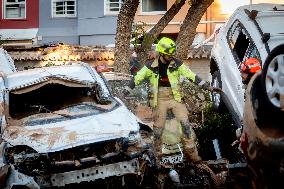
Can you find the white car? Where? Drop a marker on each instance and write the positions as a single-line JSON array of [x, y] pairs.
[[61, 125], [252, 31], [6, 62]]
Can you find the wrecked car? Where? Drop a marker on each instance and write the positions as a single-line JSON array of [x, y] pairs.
[[6, 62], [262, 139], [61, 125]]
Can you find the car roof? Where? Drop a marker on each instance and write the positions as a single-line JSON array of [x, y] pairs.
[[76, 73], [264, 7], [269, 17], [6, 63]]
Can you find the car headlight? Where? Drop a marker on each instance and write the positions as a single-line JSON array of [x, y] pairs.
[[134, 146], [20, 154], [134, 138]]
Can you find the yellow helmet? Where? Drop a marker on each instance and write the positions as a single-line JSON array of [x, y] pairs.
[[166, 46]]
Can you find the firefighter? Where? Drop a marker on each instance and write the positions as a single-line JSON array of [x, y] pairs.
[[248, 68], [164, 74]]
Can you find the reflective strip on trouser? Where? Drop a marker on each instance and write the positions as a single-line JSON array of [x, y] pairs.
[[166, 102]]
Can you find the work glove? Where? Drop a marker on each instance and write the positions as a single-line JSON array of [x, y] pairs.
[[131, 83]]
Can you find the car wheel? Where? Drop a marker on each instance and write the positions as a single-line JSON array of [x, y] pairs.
[[273, 84], [273, 78], [218, 103]]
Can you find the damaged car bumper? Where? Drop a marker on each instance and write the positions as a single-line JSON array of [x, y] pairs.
[[78, 176], [90, 174]]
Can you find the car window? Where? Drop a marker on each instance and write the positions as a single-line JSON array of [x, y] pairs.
[[53, 99], [241, 43], [251, 52]]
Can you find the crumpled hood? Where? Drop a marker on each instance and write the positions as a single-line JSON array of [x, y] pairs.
[[71, 133]]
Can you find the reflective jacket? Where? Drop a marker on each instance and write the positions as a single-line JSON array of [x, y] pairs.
[[175, 70]]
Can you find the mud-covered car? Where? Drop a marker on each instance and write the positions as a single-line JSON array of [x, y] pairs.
[[61, 125], [262, 140]]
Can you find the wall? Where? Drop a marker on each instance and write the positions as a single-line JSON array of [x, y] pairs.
[[56, 29], [213, 14], [31, 21], [201, 67], [90, 27], [175, 23], [94, 27]]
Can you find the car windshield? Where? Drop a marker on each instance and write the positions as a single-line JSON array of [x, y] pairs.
[[56, 102]]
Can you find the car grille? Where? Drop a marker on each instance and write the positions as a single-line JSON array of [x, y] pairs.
[[76, 158]]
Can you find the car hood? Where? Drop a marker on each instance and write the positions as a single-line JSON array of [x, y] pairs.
[[71, 133]]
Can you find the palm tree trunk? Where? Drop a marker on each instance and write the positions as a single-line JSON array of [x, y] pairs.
[[188, 28], [123, 35]]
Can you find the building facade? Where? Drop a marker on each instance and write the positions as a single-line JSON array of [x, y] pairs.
[[93, 22], [83, 22], [19, 20], [149, 12]]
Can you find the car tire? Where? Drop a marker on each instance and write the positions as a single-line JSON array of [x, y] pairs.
[[218, 103], [273, 77], [265, 114], [273, 81]]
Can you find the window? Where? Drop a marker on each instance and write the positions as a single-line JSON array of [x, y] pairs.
[[150, 6], [64, 8], [14, 9], [241, 44], [113, 6]]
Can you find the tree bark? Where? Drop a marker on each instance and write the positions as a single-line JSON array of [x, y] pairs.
[[156, 31], [123, 35], [188, 28]]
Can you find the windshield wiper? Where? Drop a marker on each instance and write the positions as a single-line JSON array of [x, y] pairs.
[[41, 107]]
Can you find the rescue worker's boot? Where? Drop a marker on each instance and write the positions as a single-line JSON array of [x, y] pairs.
[[190, 150], [158, 145], [189, 146]]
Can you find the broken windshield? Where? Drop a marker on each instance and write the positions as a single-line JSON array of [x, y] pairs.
[[56, 102]]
